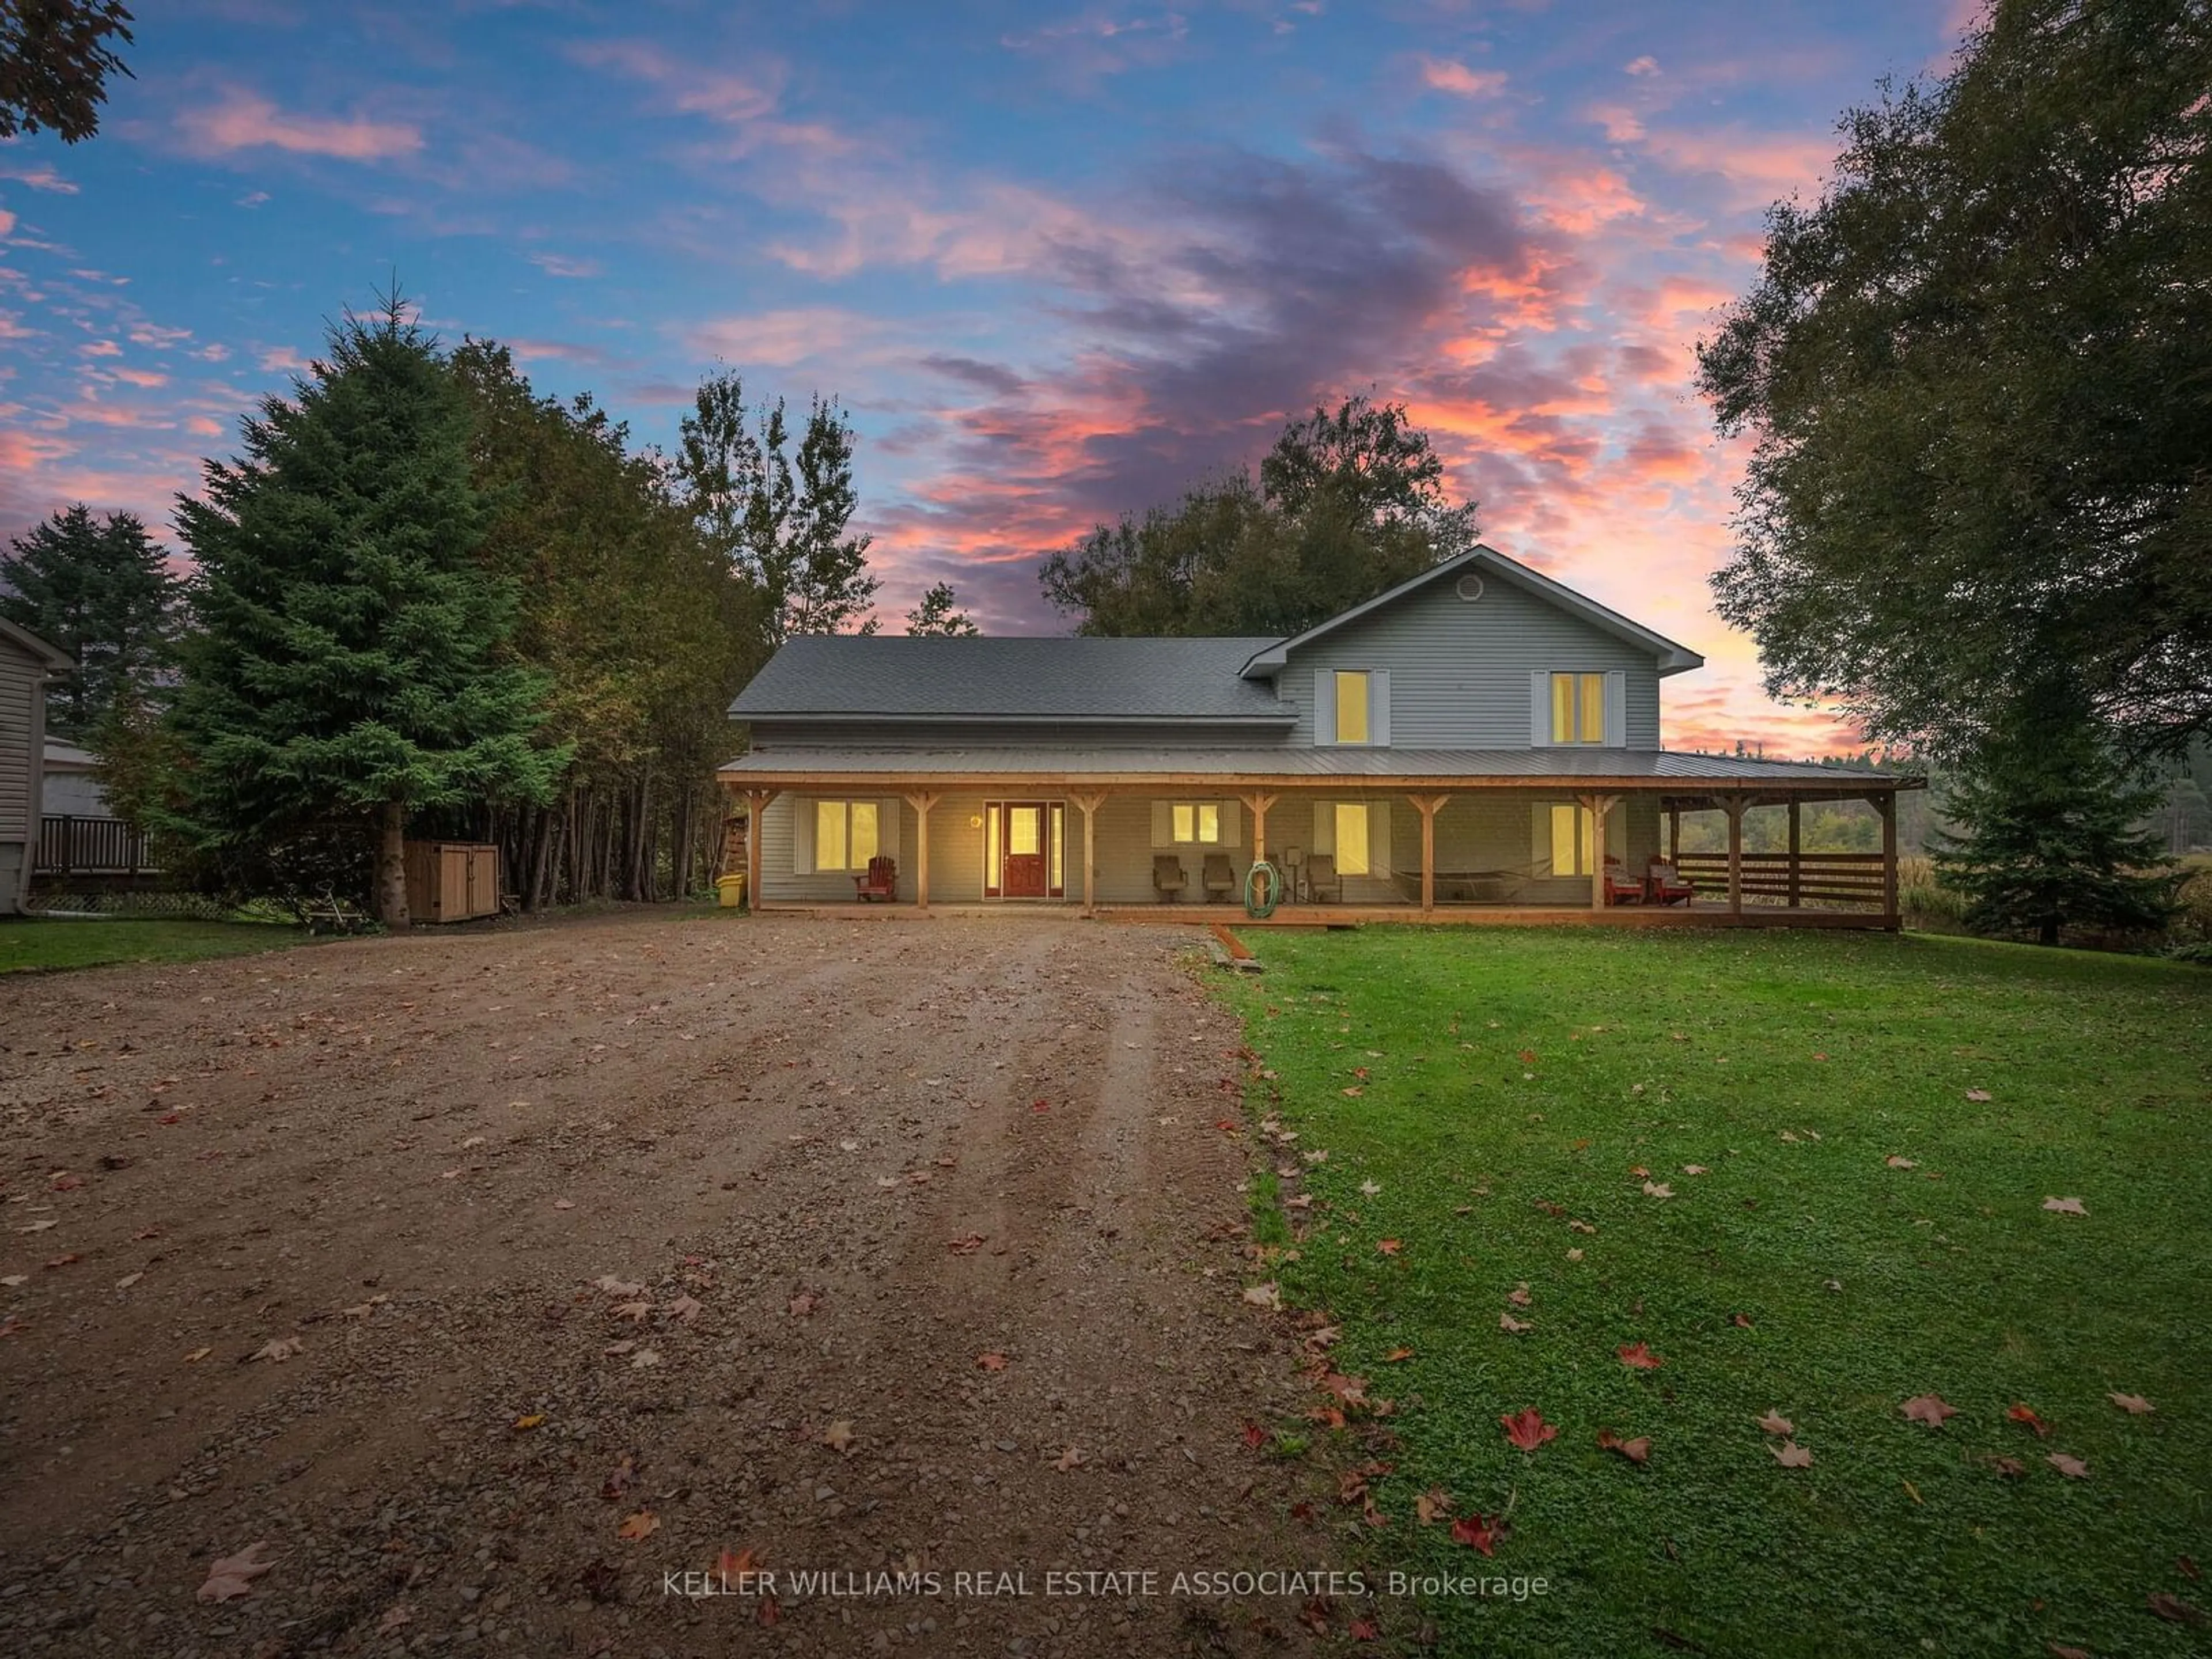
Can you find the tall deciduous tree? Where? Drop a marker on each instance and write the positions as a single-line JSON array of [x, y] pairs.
[[1978, 372], [2052, 825], [939, 615], [55, 59], [101, 590], [1348, 502], [350, 664]]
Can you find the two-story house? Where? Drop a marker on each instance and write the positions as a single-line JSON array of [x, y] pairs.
[[1480, 742]]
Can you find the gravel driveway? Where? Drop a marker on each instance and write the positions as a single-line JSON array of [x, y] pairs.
[[805, 1245]]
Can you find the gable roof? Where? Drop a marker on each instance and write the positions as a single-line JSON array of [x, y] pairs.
[[31, 644], [1488, 561], [891, 677]]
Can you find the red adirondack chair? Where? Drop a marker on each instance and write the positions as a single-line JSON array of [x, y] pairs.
[[881, 881], [1664, 885], [1619, 888]]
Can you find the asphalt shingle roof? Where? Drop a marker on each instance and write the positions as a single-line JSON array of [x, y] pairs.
[[845, 677]]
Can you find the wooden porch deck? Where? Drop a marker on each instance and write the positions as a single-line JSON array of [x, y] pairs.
[[1700, 914]]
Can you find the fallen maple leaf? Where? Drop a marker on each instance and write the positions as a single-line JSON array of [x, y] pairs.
[[232, 1576], [2072, 1468], [644, 1359], [619, 1478], [684, 1309], [1897, 1163], [1528, 1429], [1638, 1357], [1519, 1295], [394, 1616], [1397, 1354], [1269, 1295], [535, 1420], [839, 1437], [1928, 1408], [1695, 1170], [63, 1181], [1637, 1450], [2061, 1651], [620, 1287], [279, 1348], [804, 1303], [1741, 1321], [2174, 1609], [1657, 1189], [1775, 1423], [643, 1525], [1792, 1456], [1255, 1436], [1977, 1094], [991, 1362], [1070, 1459], [2022, 1413], [1432, 1506], [1388, 1246], [2134, 1404], [636, 1312], [1514, 1327], [2064, 1205], [2010, 1467], [967, 1244], [1481, 1532], [1363, 1630]]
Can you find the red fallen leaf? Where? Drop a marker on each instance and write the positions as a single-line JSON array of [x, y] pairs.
[[63, 1260], [617, 1480], [1351, 1390], [1397, 1354], [1639, 1171], [990, 1361], [1639, 1357], [63, 1181], [1326, 1416], [1303, 1512], [1928, 1408], [2010, 1467], [1040, 1105], [966, 1245], [804, 1303], [1388, 1246], [1977, 1094], [1315, 1615], [2021, 1413], [1481, 1532], [1228, 1125], [1792, 1456], [1363, 1630], [168, 1117], [1743, 1321], [643, 1524], [1255, 1436], [233, 1576], [2174, 1610], [2072, 1468], [767, 1613], [1527, 1056], [1637, 1450], [1528, 1429]]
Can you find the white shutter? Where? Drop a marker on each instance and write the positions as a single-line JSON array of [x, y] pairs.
[[1616, 710], [1540, 709], [1233, 824], [1162, 825], [1324, 705], [1324, 836], [887, 826], [802, 834], [1378, 707]]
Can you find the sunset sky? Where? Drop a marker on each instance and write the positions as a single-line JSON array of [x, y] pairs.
[[1057, 261]]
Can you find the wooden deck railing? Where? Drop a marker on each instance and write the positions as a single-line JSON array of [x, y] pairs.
[[90, 847], [1807, 878]]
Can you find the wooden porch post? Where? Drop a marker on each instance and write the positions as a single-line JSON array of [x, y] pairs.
[[756, 802], [1089, 804], [1257, 804], [1597, 806], [1428, 807], [1796, 885], [1886, 804], [1734, 805], [1674, 835], [921, 802]]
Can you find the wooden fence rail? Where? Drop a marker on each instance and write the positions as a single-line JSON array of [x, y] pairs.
[[1778, 878], [71, 846]]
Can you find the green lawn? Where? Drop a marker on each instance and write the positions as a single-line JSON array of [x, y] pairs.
[[1518, 1082], [33, 942]]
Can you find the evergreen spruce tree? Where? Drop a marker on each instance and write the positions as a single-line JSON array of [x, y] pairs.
[[350, 666], [2052, 827], [99, 589]]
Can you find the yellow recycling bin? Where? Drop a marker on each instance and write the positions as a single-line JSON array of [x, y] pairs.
[[730, 890]]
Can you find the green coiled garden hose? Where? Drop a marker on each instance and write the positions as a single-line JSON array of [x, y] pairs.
[[1263, 889]]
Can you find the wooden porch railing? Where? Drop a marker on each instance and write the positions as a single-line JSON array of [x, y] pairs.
[[71, 846], [1814, 878]]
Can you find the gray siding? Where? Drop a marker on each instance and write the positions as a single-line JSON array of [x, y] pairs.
[[767, 736], [22, 768], [1459, 671]]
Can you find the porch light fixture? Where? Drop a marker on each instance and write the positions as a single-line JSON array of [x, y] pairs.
[[975, 820]]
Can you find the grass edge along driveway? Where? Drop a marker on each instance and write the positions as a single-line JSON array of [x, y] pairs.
[[1808, 1173], [48, 945]]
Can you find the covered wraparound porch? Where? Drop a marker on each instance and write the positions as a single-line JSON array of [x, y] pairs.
[[1386, 837]]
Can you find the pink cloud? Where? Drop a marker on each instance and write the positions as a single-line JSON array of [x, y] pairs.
[[245, 120], [201, 425], [560, 264], [1450, 74], [39, 175], [283, 360], [1764, 166], [7, 222], [717, 94], [780, 338], [141, 377]]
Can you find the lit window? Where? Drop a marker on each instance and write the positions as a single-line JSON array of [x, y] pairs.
[[1196, 821], [1577, 708], [1574, 840], [1351, 725], [845, 833], [1352, 854]]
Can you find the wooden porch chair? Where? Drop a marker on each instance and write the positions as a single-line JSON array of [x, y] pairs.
[[1168, 878], [880, 882], [1664, 885], [1619, 888], [1323, 884], [1219, 878]]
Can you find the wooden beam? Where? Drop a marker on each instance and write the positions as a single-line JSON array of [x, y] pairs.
[[756, 802], [1257, 804], [1597, 806], [1796, 879], [1428, 807], [922, 801], [1089, 804], [1673, 832], [1886, 804], [1734, 805]]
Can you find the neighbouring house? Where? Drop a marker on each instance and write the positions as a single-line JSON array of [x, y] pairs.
[[27, 663], [1479, 742], [81, 841]]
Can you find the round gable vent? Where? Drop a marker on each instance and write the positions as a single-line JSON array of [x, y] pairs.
[[1469, 587]]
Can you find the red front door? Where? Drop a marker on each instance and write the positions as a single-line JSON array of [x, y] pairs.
[[1024, 873]]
